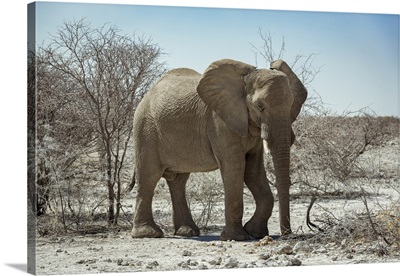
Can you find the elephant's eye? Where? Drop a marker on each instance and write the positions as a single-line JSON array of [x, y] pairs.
[[261, 108]]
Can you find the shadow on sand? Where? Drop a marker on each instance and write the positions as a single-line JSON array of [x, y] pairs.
[[20, 267], [215, 237]]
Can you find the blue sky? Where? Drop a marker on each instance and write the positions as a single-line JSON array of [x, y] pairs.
[[358, 53]]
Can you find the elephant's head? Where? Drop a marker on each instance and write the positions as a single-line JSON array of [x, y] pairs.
[[258, 102]]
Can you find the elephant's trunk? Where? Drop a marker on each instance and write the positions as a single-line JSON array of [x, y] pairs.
[[281, 158]]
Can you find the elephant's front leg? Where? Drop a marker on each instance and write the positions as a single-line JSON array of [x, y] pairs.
[[232, 175], [257, 182]]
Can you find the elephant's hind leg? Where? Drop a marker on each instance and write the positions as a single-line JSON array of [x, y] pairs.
[[183, 221], [143, 223]]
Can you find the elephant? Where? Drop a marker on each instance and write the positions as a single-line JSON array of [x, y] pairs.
[[191, 122]]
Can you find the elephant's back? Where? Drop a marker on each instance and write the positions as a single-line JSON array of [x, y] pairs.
[[182, 72]]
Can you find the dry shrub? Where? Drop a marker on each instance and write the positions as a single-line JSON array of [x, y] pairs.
[[388, 223], [330, 158], [378, 230], [327, 154], [205, 195]]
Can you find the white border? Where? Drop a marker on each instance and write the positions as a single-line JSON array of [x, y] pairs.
[[13, 125]]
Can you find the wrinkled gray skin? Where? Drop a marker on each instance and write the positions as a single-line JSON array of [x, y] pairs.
[[190, 122]]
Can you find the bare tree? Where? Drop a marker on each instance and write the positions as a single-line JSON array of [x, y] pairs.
[[102, 76], [302, 65]]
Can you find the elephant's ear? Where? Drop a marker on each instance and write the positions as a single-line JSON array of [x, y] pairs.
[[296, 86], [222, 89]]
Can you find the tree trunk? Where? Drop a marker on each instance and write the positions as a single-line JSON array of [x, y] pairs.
[[111, 215], [111, 195]]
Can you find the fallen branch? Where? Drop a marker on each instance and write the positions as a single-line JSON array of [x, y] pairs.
[[308, 221], [378, 234]]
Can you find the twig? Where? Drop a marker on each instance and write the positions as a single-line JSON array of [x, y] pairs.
[[378, 234], [308, 221]]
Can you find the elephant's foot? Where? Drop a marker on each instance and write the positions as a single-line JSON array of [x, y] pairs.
[[236, 233], [256, 229], [187, 231], [146, 231]]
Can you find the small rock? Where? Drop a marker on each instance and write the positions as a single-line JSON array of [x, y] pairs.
[[186, 253], [335, 258], [231, 263], [285, 249], [183, 265], [216, 261], [265, 256], [331, 245], [61, 240], [349, 256], [264, 241], [271, 263], [343, 243], [152, 265], [202, 266], [302, 246], [119, 261], [251, 251], [295, 262], [59, 250], [283, 260], [322, 250], [359, 249]]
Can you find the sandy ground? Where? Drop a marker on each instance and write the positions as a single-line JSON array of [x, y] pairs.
[[116, 251]]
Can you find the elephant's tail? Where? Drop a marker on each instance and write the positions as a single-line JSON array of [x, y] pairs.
[[132, 184]]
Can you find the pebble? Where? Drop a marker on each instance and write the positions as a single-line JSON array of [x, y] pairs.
[[202, 266], [265, 256], [295, 262], [152, 265], [302, 246], [86, 261], [343, 244], [331, 245], [271, 263], [264, 241], [284, 249], [321, 250], [231, 263], [186, 253], [119, 261], [216, 261]]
